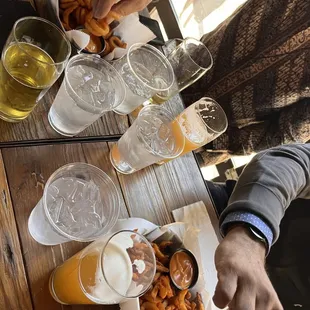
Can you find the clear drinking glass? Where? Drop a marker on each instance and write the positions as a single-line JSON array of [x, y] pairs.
[[108, 271], [151, 138], [80, 202], [190, 61], [146, 71], [201, 123], [91, 87], [34, 56]]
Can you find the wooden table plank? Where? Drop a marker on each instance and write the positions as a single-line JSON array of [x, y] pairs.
[[181, 184], [143, 196], [97, 154], [14, 291], [28, 169]]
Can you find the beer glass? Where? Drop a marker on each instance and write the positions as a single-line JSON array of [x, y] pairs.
[[190, 61], [199, 124], [34, 56], [110, 270]]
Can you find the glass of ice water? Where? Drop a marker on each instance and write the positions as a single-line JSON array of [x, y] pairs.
[[153, 137], [80, 202], [91, 87], [146, 71]]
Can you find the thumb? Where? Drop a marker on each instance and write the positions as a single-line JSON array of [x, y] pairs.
[[225, 289], [101, 8]]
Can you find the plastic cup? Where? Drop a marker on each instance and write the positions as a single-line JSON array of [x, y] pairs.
[[80, 202], [151, 138], [91, 88], [146, 71]]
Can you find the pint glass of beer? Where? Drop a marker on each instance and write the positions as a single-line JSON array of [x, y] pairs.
[[35, 55]]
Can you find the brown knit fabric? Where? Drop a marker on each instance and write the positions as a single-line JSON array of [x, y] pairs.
[[261, 76]]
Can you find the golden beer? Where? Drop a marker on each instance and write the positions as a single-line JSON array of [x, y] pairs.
[[199, 124], [25, 72]]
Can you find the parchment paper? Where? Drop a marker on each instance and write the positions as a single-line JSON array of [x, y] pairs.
[[131, 31]]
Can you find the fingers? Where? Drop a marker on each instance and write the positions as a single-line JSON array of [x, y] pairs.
[[126, 7], [244, 300], [225, 290], [101, 8], [268, 301]]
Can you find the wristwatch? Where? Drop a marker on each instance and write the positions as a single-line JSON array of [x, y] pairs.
[[257, 235]]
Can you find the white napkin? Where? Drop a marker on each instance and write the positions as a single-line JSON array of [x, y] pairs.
[[131, 31]]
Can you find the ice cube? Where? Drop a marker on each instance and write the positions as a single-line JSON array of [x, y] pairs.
[[59, 204], [148, 128], [143, 73], [53, 190], [66, 218], [80, 71], [76, 77], [54, 208], [164, 132], [73, 193], [95, 86], [164, 145], [93, 191], [170, 145], [88, 77], [77, 207], [98, 209], [93, 220], [66, 184]]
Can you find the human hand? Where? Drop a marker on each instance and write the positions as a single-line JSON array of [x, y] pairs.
[[124, 7], [243, 283]]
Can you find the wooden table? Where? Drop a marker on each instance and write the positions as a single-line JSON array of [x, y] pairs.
[[152, 194]]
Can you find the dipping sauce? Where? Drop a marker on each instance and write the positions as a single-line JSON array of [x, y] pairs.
[[95, 45], [183, 269]]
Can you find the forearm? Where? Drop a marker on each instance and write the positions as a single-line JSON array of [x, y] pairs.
[[270, 182]]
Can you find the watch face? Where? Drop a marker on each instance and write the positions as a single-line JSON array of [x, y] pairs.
[[257, 235]]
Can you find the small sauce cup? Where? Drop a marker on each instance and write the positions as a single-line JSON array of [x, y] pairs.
[[184, 270], [96, 45]]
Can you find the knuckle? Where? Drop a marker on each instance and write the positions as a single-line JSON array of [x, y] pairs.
[[249, 281], [269, 300], [222, 276]]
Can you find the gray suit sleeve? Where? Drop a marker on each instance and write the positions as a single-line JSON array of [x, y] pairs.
[[270, 182]]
